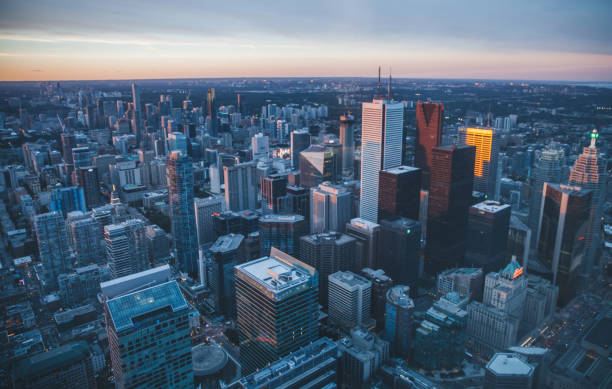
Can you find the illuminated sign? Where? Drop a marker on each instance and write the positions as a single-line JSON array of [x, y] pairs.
[[517, 272]]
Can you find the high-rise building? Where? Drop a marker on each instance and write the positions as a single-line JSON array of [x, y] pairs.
[[317, 164], [126, 247], [564, 224], [589, 172], [300, 141], [381, 283], [282, 231], [277, 308], [81, 284], [349, 300], [465, 281], [547, 169], [450, 197], [487, 235], [205, 210], [138, 124], [382, 129], [260, 146], [179, 175], [399, 193], [440, 338], [296, 200], [227, 252], [398, 320], [348, 143], [399, 250], [363, 353], [328, 253], [148, 335], [85, 233], [429, 135], [68, 199], [540, 302], [211, 119], [519, 241], [53, 245], [273, 187], [314, 366], [330, 207], [508, 370], [486, 141], [367, 235], [158, 244], [87, 178], [241, 186], [68, 143]]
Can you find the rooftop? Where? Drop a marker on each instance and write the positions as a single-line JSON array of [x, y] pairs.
[[44, 363], [509, 364], [364, 224], [207, 359], [131, 282], [399, 295], [491, 206], [227, 243], [281, 218], [401, 169], [349, 279]]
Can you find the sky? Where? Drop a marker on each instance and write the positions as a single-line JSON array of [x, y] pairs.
[[483, 39]]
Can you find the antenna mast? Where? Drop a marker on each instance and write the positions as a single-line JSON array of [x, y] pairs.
[[389, 86], [378, 93]]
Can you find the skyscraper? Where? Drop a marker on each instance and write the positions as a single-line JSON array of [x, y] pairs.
[[589, 172], [212, 112], [85, 233], [328, 253], [367, 235], [486, 141], [450, 197], [330, 207], [349, 299], [399, 249], [317, 164], [382, 128], [53, 247], [429, 135], [347, 139], [137, 118], [126, 247], [205, 210], [227, 252], [87, 178], [547, 169], [399, 193], [260, 146], [398, 320], [179, 175], [487, 235], [273, 187], [564, 224], [381, 283], [282, 231], [300, 141], [277, 308], [241, 186], [148, 335]]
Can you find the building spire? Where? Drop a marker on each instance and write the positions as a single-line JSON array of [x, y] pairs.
[[594, 136], [389, 86], [378, 93]]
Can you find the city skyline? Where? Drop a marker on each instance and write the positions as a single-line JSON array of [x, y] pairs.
[[523, 41]]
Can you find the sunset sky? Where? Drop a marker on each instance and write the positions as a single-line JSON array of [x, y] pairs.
[[112, 39]]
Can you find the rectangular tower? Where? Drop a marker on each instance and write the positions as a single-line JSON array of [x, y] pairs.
[[429, 135], [486, 141], [399, 193]]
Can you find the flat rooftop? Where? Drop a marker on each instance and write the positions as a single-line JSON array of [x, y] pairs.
[[281, 218], [401, 169], [491, 206], [349, 279], [227, 243], [509, 364]]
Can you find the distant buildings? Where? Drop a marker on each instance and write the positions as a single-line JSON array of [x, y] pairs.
[[300, 141], [277, 308]]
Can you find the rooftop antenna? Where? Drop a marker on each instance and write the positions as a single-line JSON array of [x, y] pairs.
[[378, 94], [594, 136], [389, 86]]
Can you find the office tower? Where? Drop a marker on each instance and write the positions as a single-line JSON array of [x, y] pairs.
[[347, 138], [296, 200], [81, 284], [277, 309], [367, 235], [467, 281], [87, 178], [300, 141], [53, 245], [211, 119], [282, 231], [362, 354], [398, 320], [429, 135], [381, 283], [508, 370], [540, 302], [273, 187], [260, 146], [85, 233], [590, 172], [126, 247], [67, 200], [227, 252], [399, 193], [68, 143], [158, 244], [349, 300], [241, 186], [450, 197], [399, 250], [205, 210], [328, 253], [486, 141], [67, 366], [519, 241], [179, 175], [440, 338], [330, 207], [317, 164], [564, 224], [82, 156], [137, 114], [487, 235], [314, 366], [148, 335], [547, 169], [493, 324], [382, 127], [227, 222]]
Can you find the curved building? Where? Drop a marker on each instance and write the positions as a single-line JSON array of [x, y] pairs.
[[398, 321]]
